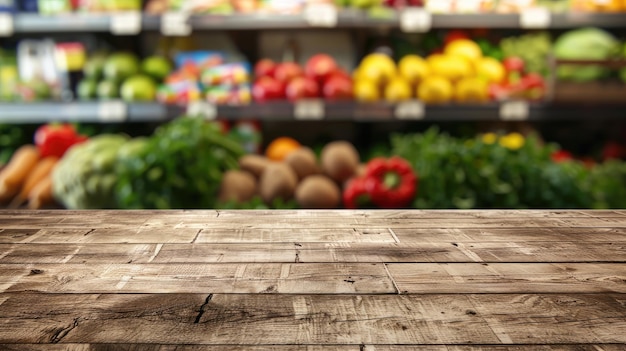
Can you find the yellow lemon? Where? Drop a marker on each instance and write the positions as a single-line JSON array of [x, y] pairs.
[[464, 48], [490, 69], [471, 89], [366, 91], [413, 68], [435, 90], [398, 89], [377, 67], [450, 67]]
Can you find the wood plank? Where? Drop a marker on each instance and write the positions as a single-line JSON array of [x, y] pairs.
[[487, 252], [195, 278], [78, 253], [312, 219], [119, 235], [457, 235], [394, 252], [577, 347], [16, 235], [317, 319], [508, 277], [170, 347], [236, 234]]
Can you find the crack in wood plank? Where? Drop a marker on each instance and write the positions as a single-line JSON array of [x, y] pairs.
[[196, 237], [203, 308], [393, 235], [393, 281], [157, 249], [62, 332]]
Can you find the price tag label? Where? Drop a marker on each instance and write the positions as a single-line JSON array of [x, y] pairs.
[[6, 25], [175, 24], [321, 15], [514, 111], [202, 109], [468, 6], [410, 110], [535, 18], [415, 20], [309, 110], [112, 111], [126, 23]]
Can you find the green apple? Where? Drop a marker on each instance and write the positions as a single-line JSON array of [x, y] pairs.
[[156, 67], [94, 66], [120, 66], [108, 89], [139, 88], [87, 89]]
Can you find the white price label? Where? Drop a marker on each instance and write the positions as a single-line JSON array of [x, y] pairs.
[[175, 24], [321, 15], [410, 110], [126, 23], [309, 110], [202, 109], [514, 111], [6, 25], [415, 20], [112, 111], [535, 18]]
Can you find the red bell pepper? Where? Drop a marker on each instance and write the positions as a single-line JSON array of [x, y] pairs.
[[392, 183], [561, 156], [533, 85], [56, 139], [355, 194], [514, 67]]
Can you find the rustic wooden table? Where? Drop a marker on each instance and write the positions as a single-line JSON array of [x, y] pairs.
[[313, 280]]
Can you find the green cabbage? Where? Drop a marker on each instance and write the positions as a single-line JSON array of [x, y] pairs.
[[584, 44]]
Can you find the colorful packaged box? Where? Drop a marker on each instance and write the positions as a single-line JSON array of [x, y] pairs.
[[227, 74]]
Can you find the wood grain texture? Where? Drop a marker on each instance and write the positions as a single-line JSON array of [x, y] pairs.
[[340, 278], [472, 251], [313, 319], [157, 347], [449, 280], [522, 278]]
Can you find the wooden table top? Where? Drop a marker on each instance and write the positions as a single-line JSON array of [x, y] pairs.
[[313, 280]]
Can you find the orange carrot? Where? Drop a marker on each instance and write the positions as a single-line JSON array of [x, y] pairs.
[[14, 174], [43, 168], [41, 194]]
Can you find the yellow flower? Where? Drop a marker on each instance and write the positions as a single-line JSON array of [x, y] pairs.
[[512, 141], [489, 138]]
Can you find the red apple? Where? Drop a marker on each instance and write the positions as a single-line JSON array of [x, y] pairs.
[[302, 88], [267, 89], [320, 66], [338, 72], [338, 88], [264, 68], [287, 71]]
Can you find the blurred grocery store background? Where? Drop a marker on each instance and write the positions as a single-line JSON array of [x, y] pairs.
[[312, 104]]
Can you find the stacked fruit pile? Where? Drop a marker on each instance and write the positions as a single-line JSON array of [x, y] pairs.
[[321, 77], [122, 75], [460, 73]]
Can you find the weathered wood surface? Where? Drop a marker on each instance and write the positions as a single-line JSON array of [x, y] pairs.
[[313, 280]]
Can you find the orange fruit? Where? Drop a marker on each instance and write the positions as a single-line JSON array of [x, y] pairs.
[[279, 148]]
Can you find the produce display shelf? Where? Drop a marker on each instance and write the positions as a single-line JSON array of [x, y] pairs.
[[114, 112], [100, 112], [78, 22]]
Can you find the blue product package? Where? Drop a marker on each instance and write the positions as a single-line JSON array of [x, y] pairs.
[[7, 6], [28, 5], [200, 59]]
